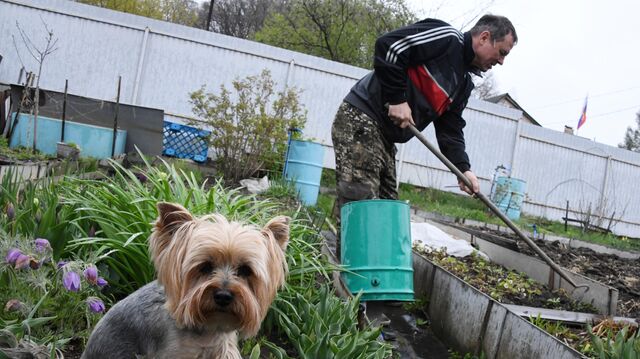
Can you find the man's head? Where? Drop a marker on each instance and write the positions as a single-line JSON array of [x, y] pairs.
[[492, 39]]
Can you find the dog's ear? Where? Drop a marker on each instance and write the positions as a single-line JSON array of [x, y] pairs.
[[279, 227], [171, 216]]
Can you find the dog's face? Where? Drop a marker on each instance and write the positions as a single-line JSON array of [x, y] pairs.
[[217, 274]]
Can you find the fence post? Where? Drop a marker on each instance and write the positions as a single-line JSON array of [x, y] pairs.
[[605, 182], [115, 120], [289, 75], [512, 163], [64, 109], [143, 52]]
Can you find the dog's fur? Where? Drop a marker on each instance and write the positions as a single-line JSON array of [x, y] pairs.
[[216, 281]]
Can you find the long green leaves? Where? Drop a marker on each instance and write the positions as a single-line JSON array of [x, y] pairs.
[[121, 210]]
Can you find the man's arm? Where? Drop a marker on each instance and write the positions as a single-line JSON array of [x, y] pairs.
[[449, 133]]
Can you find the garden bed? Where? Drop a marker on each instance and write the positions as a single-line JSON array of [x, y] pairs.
[[504, 285], [622, 274]]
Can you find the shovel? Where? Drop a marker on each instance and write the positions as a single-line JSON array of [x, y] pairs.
[[493, 207]]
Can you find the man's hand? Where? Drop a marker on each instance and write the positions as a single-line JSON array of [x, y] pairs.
[[474, 182], [400, 114]]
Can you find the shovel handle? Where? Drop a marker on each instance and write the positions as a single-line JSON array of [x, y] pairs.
[[491, 206]]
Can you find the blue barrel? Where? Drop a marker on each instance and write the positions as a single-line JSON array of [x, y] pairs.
[[376, 249], [508, 195], [304, 167]]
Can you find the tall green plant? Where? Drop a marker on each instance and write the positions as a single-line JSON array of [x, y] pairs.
[[249, 125], [121, 209], [325, 327]]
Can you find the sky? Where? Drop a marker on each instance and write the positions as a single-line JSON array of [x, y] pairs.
[[566, 50]]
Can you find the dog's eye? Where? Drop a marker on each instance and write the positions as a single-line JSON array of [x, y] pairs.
[[206, 268], [244, 271]]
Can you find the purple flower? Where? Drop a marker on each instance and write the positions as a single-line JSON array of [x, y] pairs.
[[13, 305], [101, 282], [71, 281], [61, 264], [91, 274], [12, 255], [92, 232], [141, 177], [23, 261], [42, 244], [95, 304], [11, 212]]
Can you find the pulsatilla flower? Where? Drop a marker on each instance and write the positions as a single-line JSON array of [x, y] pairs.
[[13, 305], [101, 282], [11, 212], [23, 261], [91, 274], [12, 255], [42, 244], [95, 305], [92, 231], [71, 281]]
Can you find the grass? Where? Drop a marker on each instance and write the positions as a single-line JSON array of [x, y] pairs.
[[462, 206], [446, 203], [557, 228]]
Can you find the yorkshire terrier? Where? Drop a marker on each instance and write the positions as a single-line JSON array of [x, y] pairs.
[[216, 281]]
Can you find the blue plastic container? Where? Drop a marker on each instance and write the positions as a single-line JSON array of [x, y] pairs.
[[94, 141], [303, 166], [184, 141], [508, 196], [376, 249]]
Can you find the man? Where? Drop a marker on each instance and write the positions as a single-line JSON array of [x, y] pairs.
[[421, 75]]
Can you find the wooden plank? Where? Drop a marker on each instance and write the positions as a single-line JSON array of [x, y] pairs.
[[563, 315]]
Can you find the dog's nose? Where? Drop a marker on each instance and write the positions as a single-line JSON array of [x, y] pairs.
[[222, 297]]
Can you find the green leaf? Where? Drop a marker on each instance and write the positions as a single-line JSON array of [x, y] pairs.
[[255, 352]]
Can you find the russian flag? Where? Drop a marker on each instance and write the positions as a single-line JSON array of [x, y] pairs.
[[583, 116]]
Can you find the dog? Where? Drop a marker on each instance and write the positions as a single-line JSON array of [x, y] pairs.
[[215, 283]]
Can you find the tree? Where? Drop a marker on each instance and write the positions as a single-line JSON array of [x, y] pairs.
[[339, 30], [39, 54], [239, 18], [632, 137], [485, 86], [184, 12]]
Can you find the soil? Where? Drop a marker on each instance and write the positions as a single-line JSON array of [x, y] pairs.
[[622, 274], [507, 286]]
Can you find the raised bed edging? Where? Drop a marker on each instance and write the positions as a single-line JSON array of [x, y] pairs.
[[28, 171], [601, 296], [471, 322]]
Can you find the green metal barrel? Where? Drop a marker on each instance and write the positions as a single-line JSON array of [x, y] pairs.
[[376, 249]]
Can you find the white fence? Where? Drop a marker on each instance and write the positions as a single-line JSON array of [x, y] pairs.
[[161, 63]]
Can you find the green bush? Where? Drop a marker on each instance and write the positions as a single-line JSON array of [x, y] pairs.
[[249, 127]]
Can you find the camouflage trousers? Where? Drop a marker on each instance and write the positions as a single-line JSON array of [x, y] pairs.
[[365, 160]]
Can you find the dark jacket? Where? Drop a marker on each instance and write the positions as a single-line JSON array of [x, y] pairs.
[[427, 64]]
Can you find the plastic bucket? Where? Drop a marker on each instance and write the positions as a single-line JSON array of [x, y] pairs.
[[304, 167], [376, 249], [508, 196]]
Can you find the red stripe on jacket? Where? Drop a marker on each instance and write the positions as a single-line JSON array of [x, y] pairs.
[[427, 85]]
